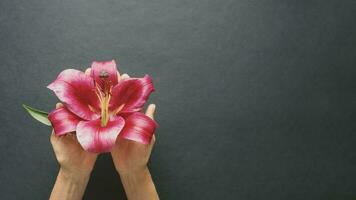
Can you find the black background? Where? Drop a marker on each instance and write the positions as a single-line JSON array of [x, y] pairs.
[[255, 99]]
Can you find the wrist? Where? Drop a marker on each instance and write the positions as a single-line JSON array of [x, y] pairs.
[[129, 171], [69, 186], [72, 176], [138, 184], [135, 178]]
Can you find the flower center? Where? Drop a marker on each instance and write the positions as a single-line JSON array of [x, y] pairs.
[[103, 92]]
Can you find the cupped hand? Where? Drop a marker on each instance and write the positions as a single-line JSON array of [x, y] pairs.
[[130, 156], [72, 158]]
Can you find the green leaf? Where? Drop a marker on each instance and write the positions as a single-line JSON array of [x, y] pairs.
[[39, 115]]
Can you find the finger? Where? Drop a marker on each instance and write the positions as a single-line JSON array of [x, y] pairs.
[[118, 76], [52, 137], [152, 143], [153, 140], [52, 134], [125, 76], [151, 111], [59, 105], [87, 71]]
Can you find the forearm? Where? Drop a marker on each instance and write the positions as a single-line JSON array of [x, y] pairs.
[[139, 185], [69, 187]]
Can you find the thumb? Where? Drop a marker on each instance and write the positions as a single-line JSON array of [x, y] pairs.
[[59, 105], [151, 111]]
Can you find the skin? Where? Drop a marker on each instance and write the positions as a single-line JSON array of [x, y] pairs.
[[130, 159], [75, 164]]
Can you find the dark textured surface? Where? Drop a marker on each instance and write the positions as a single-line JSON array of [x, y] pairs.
[[256, 99]]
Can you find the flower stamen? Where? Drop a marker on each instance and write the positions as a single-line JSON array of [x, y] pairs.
[[103, 92]]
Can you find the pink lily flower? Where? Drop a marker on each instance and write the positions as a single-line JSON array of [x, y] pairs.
[[100, 107]]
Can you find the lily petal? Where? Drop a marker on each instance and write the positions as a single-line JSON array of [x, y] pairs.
[[97, 139], [139, 128], [63, 121], [76, 90], [129, 95], [106, 68]]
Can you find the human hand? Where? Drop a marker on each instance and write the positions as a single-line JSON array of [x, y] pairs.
[[130, 160], [74, 161], [76, 165], [132, 157]]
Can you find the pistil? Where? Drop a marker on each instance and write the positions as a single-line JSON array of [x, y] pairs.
[[105, 110], [104, 94]]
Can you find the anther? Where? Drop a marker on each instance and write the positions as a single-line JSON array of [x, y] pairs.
[[103, 74]]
